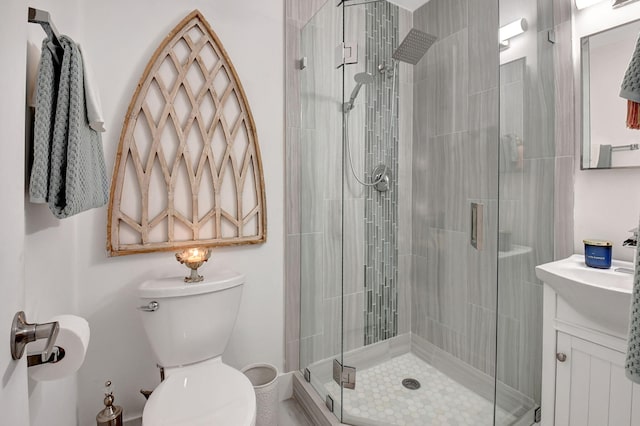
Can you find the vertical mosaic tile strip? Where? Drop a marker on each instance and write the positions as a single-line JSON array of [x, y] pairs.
[[381, 136]]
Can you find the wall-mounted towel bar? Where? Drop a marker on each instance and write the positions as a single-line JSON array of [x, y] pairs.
[[42, 17], [630, 147]]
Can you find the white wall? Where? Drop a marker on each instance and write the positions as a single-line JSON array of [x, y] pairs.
[[607, 205], [69, 270], [607, 202], [13, 387], [50, 278]]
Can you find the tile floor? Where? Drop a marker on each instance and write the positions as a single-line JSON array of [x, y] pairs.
[[290, 413], [380, 396]]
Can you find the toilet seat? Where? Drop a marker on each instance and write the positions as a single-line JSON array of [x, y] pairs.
[[208, 393]]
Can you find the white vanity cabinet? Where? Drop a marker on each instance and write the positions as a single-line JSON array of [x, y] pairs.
[[583, 381], [590, 385], [584, 344]]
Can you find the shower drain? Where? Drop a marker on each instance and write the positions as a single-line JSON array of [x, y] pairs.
[[412, 384]]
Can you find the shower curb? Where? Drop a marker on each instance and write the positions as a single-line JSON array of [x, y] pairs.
[[311, 403]]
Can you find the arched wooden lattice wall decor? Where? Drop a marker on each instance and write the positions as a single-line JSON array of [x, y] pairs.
[[188, 171]]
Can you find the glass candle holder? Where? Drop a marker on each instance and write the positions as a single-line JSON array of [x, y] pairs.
[[194, 258]]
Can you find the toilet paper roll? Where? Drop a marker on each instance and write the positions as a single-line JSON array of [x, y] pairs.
[[74, 338]]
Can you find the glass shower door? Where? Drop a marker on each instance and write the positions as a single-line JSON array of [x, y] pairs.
[[421, 282], [424, 347], [321, 203], [527, 173]]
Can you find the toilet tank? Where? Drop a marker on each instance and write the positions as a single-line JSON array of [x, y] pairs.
[[192, 321]]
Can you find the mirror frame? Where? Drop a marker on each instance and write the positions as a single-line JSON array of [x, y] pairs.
[[584, 82]]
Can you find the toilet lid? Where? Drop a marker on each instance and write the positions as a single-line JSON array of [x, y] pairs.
[[211, 394]]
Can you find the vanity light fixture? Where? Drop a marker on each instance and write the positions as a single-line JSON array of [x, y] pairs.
[[511, 30], [194, 258], [583, 4], [620, 3]]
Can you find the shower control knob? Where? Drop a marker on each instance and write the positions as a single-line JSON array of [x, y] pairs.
[[561, 357]]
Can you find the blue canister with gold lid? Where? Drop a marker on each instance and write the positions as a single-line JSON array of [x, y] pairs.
[[597, 253]]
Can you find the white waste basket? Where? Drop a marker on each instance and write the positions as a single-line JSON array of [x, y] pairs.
[[264, 378]]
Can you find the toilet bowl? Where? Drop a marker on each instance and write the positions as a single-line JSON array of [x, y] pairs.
[[206, 393], [188, 326]]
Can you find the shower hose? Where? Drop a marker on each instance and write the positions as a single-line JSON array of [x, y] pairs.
[[347, 142]]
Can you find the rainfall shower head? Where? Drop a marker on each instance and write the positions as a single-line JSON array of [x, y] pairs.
[[414, 46], [361, 78]]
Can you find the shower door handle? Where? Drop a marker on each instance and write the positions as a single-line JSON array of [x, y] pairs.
[[477, 226]]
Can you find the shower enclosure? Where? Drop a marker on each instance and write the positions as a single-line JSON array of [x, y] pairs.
[[425, 200]]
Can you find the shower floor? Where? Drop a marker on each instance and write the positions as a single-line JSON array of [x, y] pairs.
[[381, 398]]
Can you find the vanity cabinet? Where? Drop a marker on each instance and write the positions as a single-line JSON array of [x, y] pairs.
[[584, 382], [591, 388]]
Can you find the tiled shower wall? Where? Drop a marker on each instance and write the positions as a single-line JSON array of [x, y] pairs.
[[450, 160], [455, 162], [297, 13], [331, 216], [455, 159], [314, 170], [400, 154], [536, 197], [381, 208]]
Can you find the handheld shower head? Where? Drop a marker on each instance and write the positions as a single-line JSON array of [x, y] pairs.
[[361, 79]]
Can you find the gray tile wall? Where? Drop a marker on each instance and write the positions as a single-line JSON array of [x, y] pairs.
[[404, 177], [333, 227], [462, 108], [314, 166], [565, 134], [529, 204], [381, 208], [455, 112], [446, 289], [298, 12]]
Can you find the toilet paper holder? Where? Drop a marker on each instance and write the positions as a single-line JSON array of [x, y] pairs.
[[23, 333]]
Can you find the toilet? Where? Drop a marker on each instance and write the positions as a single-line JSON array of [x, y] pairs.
[[188, 326]]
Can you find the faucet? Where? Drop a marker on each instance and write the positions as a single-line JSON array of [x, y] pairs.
[[632, 241], [629, 242]]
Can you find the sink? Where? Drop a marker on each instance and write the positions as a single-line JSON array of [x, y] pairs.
[[602, 295]]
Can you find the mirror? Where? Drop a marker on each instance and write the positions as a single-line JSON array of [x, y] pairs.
[[606, 141]]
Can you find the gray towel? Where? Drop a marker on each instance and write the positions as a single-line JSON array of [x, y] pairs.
[[631, 83], [68, 170], [632, 365]]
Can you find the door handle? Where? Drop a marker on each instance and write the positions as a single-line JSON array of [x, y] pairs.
[[477, 226]]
